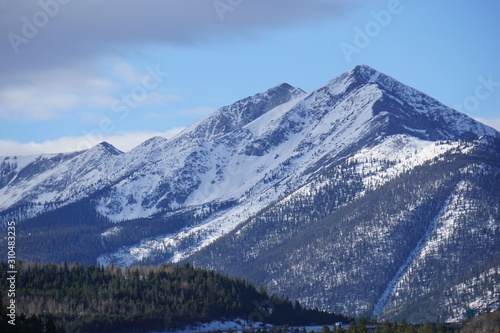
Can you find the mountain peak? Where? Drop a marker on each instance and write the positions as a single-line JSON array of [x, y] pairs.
[[388, 107], [366, 73], [155, 140], [363, 70], [107, 147], [285, 88], [242, 112], [352, 79]]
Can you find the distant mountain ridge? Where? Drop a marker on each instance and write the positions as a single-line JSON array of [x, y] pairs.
[[272, 187]]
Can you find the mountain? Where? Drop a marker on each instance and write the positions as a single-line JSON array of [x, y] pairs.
[[364, 197]]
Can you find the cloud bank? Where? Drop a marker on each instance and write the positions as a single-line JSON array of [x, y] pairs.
[[124, 141], [48, 33]]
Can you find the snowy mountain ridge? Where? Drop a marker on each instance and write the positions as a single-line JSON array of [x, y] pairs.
[[326, 109], [220, 225], [255, 173]]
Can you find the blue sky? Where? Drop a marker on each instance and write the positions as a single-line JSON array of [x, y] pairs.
[[76, 73]]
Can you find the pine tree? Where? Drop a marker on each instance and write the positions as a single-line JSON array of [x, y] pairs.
[[326, 329], [50, 326]]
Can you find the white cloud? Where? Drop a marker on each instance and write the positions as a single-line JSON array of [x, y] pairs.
[[49, 94], [126, 72], [34, 103], [121, 140]]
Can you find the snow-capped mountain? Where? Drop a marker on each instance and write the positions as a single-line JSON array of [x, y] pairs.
[[254, 189]]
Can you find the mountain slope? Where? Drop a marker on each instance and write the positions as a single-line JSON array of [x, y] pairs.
[[340, 197], [282, 149], [425, 230], [33, 184]]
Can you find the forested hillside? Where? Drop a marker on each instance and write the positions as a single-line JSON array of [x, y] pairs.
[[140, 299]]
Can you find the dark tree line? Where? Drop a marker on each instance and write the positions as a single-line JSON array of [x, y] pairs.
[[74, 298]]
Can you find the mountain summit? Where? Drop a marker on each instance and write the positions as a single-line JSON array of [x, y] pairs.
[[364, 196]]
